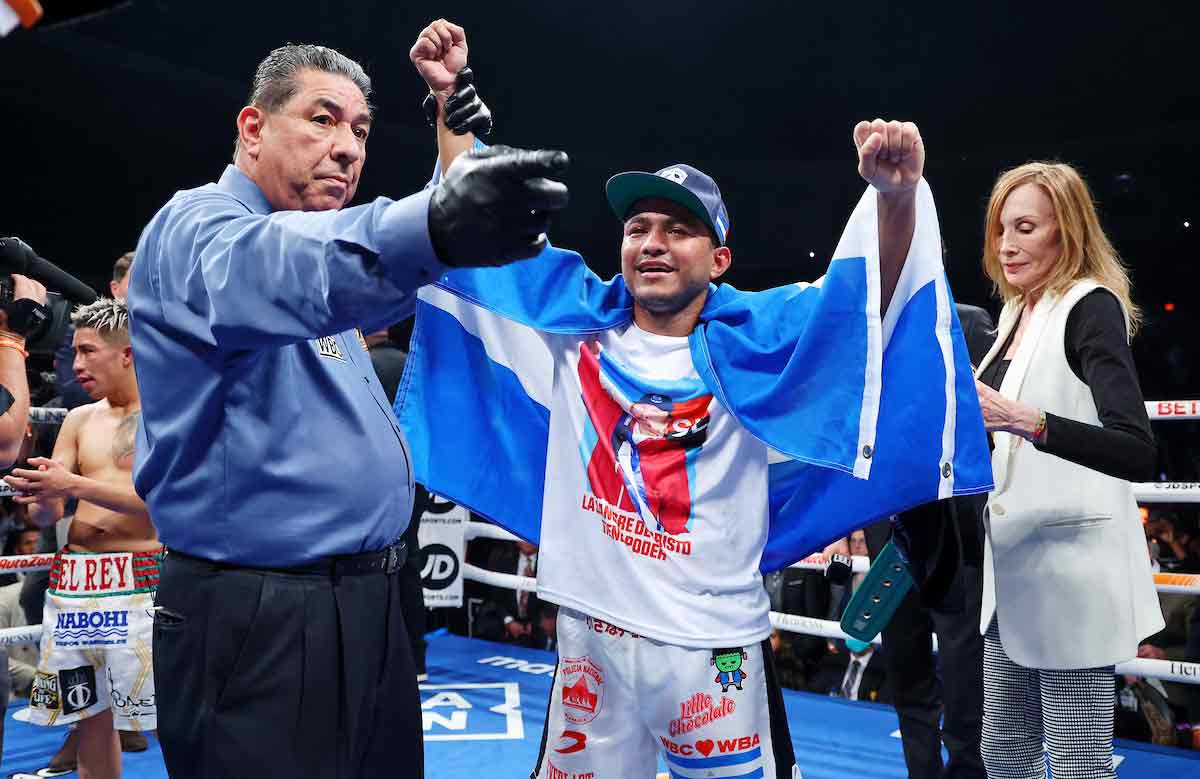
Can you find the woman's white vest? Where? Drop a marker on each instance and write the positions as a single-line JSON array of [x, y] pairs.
[[1065, 561]]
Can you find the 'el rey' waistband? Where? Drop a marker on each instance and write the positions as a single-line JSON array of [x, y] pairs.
[[91, 574]]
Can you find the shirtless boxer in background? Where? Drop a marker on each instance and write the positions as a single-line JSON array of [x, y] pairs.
[[95, 666]]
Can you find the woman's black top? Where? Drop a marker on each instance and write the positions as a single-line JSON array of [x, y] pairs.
[[1099, 355]]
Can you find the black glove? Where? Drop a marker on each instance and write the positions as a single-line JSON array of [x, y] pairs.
[[494, 205], [839, 569], [465, 112]]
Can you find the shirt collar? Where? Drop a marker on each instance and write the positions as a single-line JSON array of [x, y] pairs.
[[237, 183]]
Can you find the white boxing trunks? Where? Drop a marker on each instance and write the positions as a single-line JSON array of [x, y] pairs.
[[96, 630], [619, 699]]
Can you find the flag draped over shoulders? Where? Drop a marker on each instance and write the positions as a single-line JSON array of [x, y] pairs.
[[865, 415]]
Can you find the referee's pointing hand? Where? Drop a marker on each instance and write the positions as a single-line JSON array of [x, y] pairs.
[[495, 204]]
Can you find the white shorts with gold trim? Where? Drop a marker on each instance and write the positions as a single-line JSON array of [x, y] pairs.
[[95, 651]]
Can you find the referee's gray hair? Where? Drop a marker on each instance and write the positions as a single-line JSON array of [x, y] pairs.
[[277, 77], [107, 316]]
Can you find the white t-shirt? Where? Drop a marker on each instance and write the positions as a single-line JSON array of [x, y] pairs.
[[655, 508]]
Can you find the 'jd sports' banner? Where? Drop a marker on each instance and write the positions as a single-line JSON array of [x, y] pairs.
[[441, 537]]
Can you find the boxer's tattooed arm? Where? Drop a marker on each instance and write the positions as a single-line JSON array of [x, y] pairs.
[[123, 439]]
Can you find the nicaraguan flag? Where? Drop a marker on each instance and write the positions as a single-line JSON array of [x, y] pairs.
[[866, 416]]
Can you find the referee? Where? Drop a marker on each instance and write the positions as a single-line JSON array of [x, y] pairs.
[[268, 454]]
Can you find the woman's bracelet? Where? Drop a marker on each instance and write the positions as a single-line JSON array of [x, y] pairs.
[[1039, 430]]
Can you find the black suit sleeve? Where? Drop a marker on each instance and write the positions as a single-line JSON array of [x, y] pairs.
[[978, 330], [1098, 353]]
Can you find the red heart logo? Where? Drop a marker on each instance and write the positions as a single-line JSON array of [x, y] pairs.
[[705, 746]]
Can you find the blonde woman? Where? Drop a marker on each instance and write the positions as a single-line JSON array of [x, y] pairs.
[[1068, 590]]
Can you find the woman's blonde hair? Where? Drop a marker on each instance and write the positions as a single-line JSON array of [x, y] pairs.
[[1086, 250]]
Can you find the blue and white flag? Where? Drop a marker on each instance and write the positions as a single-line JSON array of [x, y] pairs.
[[866, 415]]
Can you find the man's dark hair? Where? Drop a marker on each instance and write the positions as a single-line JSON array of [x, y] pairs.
[[121, 266], [276, 78]]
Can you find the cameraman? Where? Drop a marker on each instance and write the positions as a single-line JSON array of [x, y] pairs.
[[14, 385]]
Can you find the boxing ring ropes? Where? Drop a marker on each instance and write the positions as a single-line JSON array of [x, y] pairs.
[[1151, 492]]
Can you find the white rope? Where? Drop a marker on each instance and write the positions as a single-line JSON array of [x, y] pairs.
[[509, 581], [1167, 670], [47, 415], [1178, 583], [1173, 409], [487, 530], [25, 563], [31, 634], [1167, 492], [811, 626]]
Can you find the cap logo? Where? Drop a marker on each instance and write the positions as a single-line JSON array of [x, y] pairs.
[[674, 174]]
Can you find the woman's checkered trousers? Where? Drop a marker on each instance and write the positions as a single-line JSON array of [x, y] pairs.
[[1070, 711]]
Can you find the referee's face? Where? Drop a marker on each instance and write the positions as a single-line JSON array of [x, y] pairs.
[[668, 257], [308, 155]]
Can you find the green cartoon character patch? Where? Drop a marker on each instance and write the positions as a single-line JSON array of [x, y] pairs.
[[729, 667]]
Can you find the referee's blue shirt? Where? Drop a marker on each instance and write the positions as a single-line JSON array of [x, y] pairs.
[[266, 439]]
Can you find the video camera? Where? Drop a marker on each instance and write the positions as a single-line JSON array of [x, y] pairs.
[[42, 325]]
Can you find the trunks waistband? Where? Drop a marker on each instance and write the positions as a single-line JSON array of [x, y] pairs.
[[92, 574]]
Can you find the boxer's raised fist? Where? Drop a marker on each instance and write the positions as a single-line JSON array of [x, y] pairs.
[[891, 155], [439, 53]]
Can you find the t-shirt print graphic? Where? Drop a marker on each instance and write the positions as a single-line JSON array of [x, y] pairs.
[[641, 447]]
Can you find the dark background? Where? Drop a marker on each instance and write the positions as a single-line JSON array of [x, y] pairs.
[[104, 118]]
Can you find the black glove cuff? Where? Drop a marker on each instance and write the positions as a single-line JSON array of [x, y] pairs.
[[25, 315], [429, 106], [435, 219]]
